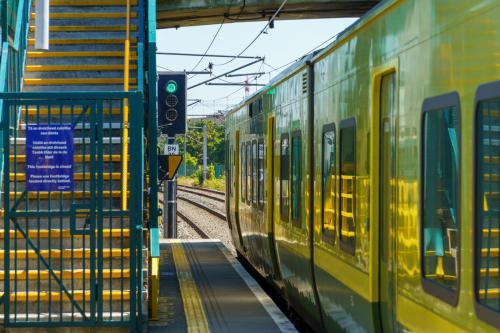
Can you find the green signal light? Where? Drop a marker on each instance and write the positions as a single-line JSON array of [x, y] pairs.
[[171, 87]]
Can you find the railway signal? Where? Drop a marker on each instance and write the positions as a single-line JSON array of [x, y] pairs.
[[172, 98]]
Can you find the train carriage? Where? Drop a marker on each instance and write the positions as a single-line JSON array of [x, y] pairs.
[[363, 182]]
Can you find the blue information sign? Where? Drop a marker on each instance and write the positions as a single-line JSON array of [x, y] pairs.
[[49, 157]]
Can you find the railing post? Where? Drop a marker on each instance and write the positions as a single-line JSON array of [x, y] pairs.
[[5, 25], [126, 81]]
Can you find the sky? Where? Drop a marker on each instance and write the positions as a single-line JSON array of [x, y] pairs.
[[288, 41]]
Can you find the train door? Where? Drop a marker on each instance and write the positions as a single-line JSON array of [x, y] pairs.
[[237, 190], [270, 196], [387, 195]]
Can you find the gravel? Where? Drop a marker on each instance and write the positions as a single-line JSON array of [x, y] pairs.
[[211, 225], [219, 206]]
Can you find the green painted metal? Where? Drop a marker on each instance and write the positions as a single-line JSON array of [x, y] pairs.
[[84, 213], [152, 130]]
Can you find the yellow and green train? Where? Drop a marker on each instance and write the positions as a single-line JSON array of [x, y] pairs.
[[364, 181]]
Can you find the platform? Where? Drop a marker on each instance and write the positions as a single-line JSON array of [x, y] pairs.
[[203, 288]]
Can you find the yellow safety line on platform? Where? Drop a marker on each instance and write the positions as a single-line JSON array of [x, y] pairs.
[[194, 313], [126, 82]]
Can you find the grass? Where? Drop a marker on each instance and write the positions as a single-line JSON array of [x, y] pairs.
[[214, 184]]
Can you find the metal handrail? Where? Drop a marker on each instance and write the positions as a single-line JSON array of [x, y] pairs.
[[126, 82]]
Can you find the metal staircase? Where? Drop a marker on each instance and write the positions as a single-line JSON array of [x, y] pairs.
[[74, 257]]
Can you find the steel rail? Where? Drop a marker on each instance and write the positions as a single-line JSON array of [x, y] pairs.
[[201, 194], [202, 189], [208, 209], [193, 225]]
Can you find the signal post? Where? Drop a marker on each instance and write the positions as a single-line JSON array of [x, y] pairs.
[[172, 104]]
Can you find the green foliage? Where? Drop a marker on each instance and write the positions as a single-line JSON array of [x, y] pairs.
[[215, 143], [191, 160]]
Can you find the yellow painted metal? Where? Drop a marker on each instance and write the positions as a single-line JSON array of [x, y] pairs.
[[155, 287], [45, 274], [69, 41], [269, 167], [77, 158], [88, 28], [62, 233], [55, 296], [87, 15], [126, 81], [64, 194], [174, 161], [91, 3], [74, 81], [69, 68], [21, 177], [78, 54], [194, 313], [65, 254]]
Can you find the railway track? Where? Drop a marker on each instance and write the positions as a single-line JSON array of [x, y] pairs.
[[193, 225], [203, 193], [190, 222], [201, 189], [205, 208]]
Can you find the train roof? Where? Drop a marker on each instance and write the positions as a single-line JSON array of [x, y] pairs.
[[318, 54]]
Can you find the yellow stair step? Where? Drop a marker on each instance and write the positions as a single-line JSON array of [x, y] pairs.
[[64, 274], [71, 68], [77, 158], [78, 54], [88, 28], [492, 272], [86, 3], [21, 177], [70, 41], [88, 15], [493, 252], [56, 233], [492, 293], [494, 232], [65, 195], [65, 111], [65, 254], [75, 81], [55, 296]]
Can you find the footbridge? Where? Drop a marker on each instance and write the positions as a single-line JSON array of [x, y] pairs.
[[182, 13]]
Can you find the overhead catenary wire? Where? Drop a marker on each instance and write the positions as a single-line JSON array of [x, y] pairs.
[[259, 34]]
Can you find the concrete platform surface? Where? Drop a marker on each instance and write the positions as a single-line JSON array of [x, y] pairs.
[[203, 288]]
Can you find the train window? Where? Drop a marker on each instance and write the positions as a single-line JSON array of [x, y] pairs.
[[347, 227], [296, 179], [261, 151], [243, 173], [328, 185], [255, 183], [440, 205], [249, 173], [284, 165], [487, 236]]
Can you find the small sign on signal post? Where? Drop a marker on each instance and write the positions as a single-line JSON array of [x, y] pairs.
[[171, 149]]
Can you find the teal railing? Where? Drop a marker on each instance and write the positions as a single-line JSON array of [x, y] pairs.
[[152, 134]]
